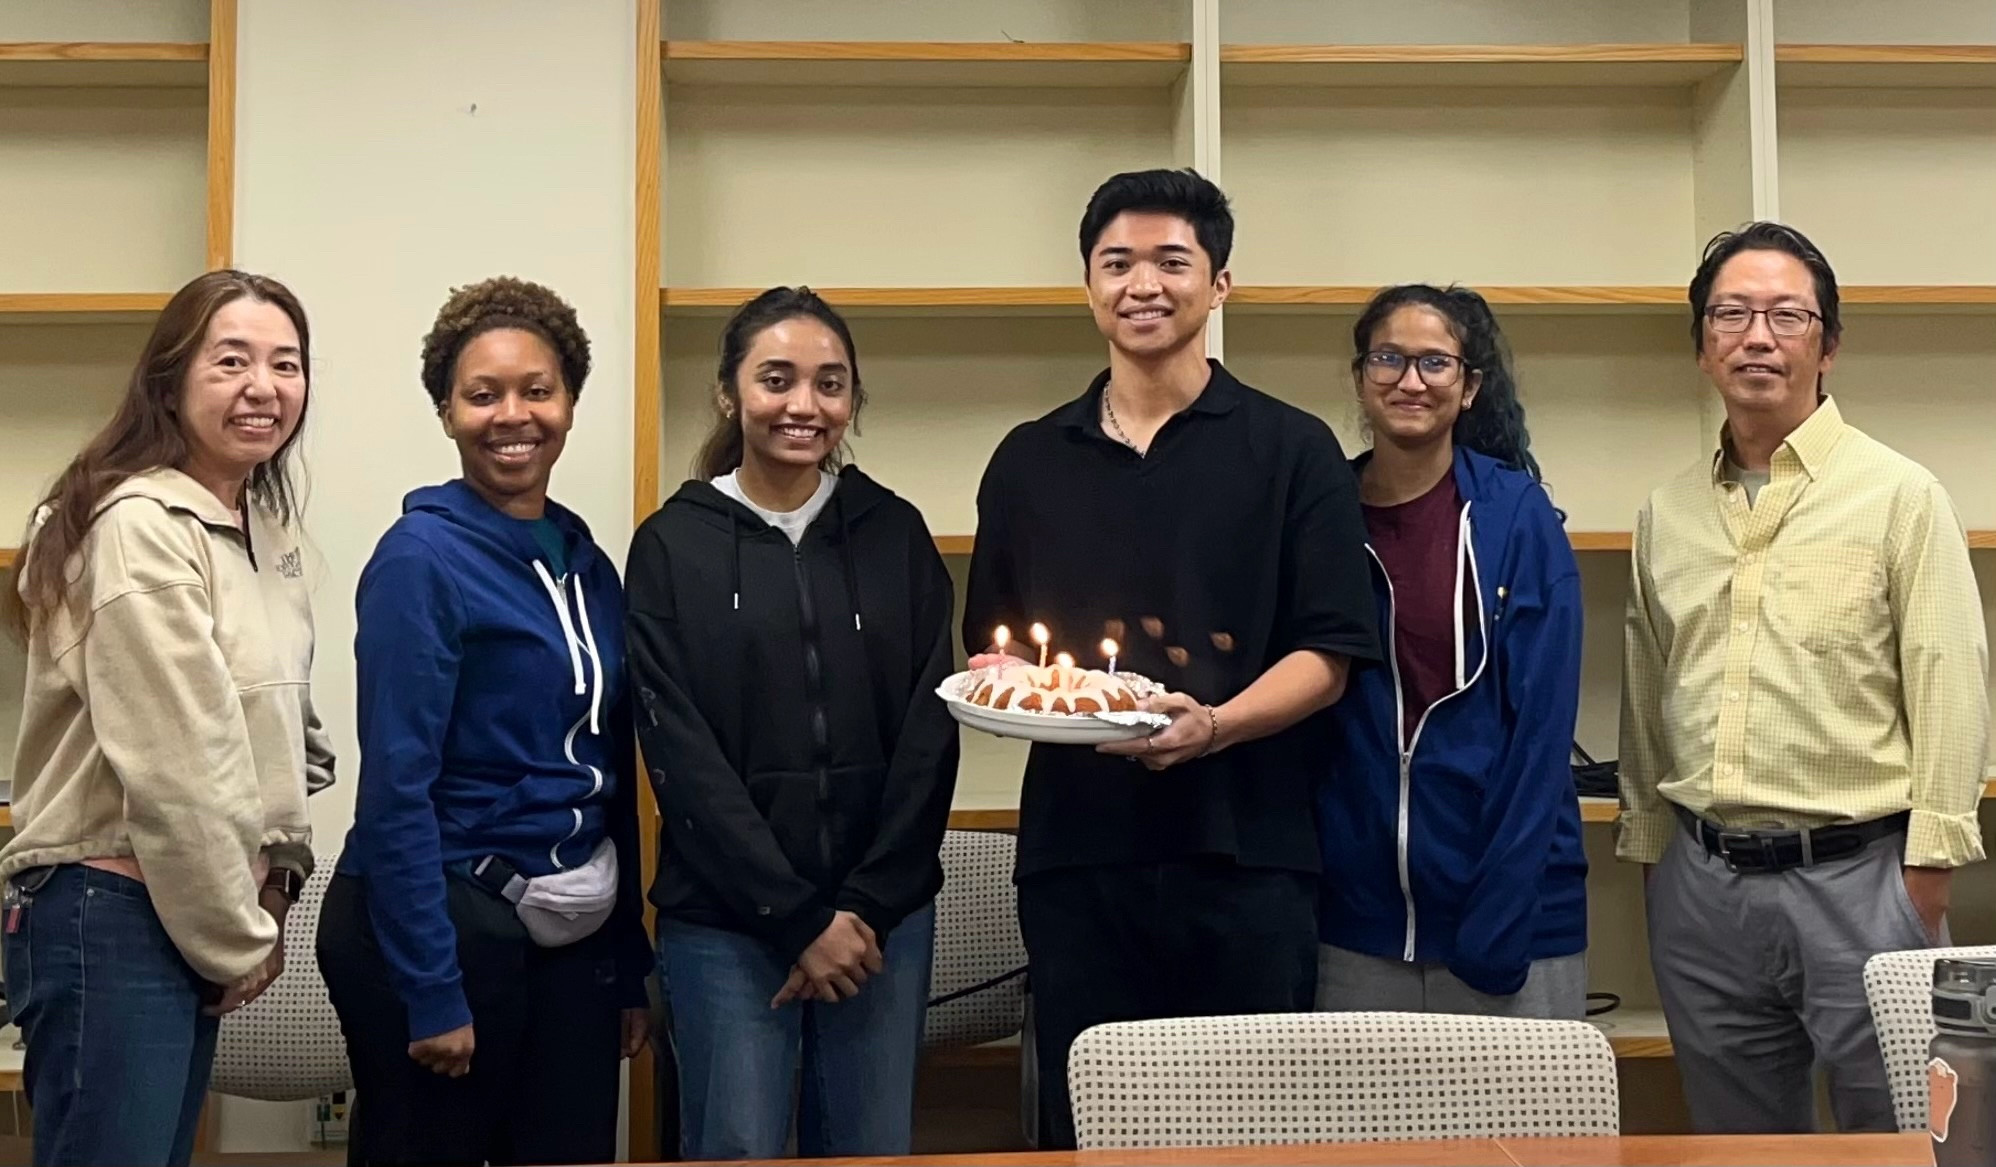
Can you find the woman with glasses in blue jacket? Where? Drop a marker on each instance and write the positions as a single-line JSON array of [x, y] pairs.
[[1453, 871]]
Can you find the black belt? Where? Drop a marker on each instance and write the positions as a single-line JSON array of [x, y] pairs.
[[1768, 851]]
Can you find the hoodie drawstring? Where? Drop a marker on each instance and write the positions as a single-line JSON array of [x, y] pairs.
[[735, 556], [567, 626], [845, 558], [595, 660]]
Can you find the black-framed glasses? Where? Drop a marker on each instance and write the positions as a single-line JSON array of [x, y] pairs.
[[1386, 367], [1780, 321]]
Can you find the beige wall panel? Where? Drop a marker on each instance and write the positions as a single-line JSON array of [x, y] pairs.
[[58, 386], [104, 189], [1513, 186], [1453, 22], [881, 187], [1896, 185], [104, 20], [1937, 22], [1922, 384], [928, 20]]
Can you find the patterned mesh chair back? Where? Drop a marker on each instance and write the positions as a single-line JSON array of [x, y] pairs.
[[1339, 1077]]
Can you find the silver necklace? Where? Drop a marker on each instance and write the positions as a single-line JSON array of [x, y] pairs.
[[1109, 413]]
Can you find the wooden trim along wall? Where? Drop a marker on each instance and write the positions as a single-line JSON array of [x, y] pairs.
[[221, 133], [643, 1116]]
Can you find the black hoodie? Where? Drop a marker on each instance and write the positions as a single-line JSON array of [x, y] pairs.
[[787, 709]]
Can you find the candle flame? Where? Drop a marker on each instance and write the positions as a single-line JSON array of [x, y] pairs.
[[1001, 636], [1040, 634], [1064, 661], [1109, 648]]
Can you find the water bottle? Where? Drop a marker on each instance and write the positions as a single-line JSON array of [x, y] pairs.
[[1961, 1064]]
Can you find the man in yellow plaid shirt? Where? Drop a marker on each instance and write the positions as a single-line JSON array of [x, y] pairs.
[[1804, 711]]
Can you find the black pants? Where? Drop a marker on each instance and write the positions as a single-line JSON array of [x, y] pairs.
[[1133, 943], [543, 1086]]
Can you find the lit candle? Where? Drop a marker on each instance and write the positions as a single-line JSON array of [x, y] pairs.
[[1109, 650], [1040, 637], [1064, 661], [1001, 636]]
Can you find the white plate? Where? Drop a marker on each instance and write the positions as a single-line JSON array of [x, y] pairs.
[[1060, 729]]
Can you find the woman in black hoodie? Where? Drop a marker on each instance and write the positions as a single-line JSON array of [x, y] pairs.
[[788, 627]]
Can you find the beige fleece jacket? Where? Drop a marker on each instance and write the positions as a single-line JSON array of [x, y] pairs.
[[168, 717]]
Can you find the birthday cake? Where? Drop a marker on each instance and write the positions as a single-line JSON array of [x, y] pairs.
[[1056, 689]]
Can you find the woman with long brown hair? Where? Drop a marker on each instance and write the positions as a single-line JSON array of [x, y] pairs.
[[789, 623], [167, 736]]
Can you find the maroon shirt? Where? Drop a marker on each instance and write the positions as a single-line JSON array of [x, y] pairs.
[[1416, 540]]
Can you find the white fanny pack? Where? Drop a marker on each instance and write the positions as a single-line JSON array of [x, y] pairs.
[[561, 908]]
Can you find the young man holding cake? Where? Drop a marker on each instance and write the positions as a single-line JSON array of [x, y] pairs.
[[1214, 533]]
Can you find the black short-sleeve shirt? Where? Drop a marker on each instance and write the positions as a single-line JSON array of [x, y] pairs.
[[1235, 542]]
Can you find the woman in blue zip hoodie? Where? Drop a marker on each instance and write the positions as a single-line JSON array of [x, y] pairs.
[[483, 939], [1453, 871]]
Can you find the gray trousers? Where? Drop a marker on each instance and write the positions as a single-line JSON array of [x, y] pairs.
[[1762, 981], [1555, 988]]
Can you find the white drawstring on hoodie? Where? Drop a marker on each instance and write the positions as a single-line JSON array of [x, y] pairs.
[[578, 646]]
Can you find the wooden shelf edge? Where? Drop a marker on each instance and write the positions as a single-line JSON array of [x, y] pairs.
[[103, 51], [1641, 1047], [1717, 54], [1982, 540], [1082, 52], [1938, 295], [1315, 295], [1592, 810], [63, 303], [1817, 54], [1356, 295], [7, 557], [671, 298], [1006, 1054], [6, 814]]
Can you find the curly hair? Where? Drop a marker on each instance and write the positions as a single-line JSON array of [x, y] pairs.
[[503, 302]]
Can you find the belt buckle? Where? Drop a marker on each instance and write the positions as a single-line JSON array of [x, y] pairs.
[[1761, 848]]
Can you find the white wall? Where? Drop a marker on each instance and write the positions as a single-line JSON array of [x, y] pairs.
[[386, 152]]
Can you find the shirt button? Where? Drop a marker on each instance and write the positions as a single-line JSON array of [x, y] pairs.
[[762, 911], [1740, 627], [1733, 695]]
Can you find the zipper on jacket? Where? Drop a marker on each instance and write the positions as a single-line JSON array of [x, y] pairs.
[[814, 676], [1407, 743]]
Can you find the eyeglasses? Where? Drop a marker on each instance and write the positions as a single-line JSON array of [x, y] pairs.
[[1780, 321], [1386, 367]]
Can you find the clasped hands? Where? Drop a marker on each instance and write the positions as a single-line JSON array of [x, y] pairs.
[[836, 964]]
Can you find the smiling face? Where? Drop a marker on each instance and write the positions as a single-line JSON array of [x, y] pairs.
[[1411, 347], [509, 411], [796, 395], [1151, 286], [1757, 371], [243, 396]]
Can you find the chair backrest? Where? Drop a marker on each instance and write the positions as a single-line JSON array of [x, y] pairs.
[[286, 1045], [1900, 987], [1339, 1077], [977, 988]]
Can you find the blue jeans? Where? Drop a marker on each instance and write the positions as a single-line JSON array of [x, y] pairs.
[[118, 1049], [739, 1060]]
